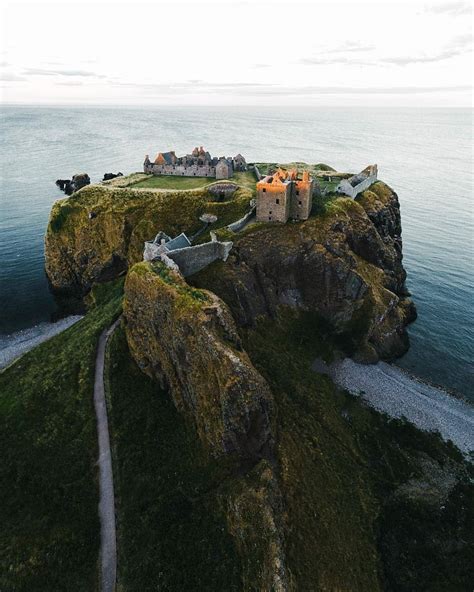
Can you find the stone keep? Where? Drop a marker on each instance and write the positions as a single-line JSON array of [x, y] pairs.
[[302, 198], [282, 195]]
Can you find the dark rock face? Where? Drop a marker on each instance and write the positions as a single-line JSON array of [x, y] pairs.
[[187, 340], [345, 266], [70, 186], [109, 176]]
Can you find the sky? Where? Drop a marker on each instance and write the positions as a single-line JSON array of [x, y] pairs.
[[237, 52]]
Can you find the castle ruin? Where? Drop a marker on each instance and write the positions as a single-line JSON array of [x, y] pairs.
[[180, 255], [197, 164], [284, 195], [358, 183]]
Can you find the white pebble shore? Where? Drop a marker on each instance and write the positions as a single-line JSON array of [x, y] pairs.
[[394, 392]]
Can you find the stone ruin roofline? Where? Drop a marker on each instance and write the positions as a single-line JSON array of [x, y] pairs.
[[281, 177]]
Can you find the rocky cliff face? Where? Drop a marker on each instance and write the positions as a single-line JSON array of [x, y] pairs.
[[344, 265], [187, 340]]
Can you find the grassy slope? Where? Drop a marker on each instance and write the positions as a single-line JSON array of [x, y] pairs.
[[172, 534], [50, 526], [342, 466], [80, 250], [173, 182], [245, 179]]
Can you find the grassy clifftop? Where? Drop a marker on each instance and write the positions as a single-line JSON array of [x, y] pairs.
[[99, 231]]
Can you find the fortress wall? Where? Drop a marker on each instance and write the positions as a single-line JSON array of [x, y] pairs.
[[267, 207], [301, 201], [152, 250], [238, 225], [347, 189], [182, 171], [192, 259], [258, 174]]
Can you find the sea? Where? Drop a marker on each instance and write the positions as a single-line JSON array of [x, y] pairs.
[[424, 154]]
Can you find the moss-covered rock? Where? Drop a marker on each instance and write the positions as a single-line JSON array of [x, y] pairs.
[[99, 231], [187, 339]]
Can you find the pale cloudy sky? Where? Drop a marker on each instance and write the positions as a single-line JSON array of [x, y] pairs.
[[237, 52]]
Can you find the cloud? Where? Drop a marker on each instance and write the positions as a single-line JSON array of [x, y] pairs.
[[4, 64], [457, 46], [345, 53], [260, 66], [330, 61], [351, 47], [263, 89], [353, 90], [9, 77], [405, 60], [452, 8], [52, 72]]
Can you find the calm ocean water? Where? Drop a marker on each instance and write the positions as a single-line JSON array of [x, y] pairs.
[[425, 155]]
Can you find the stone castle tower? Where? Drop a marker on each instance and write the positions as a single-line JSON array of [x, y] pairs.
[[283, 195]]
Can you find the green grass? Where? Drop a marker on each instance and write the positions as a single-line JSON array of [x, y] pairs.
[[246, 179], [172, 534], [343, 464], [173, 182], [48, 475]]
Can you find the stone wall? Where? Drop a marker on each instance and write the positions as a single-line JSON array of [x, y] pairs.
[[301, 201], [192, 259], [273, 203], [181, 170], [238, 225], [258, 174], [222, 190], [188, 260], [347, 189]]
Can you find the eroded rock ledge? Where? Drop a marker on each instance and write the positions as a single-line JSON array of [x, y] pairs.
[[187, 340]]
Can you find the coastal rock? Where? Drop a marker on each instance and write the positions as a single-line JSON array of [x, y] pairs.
[[70, 186], [344, 266], [187, 340], [100, 231], [109, 176]]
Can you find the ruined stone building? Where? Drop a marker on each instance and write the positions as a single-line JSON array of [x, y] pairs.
[[197, 164], [180, 255], [358, 183], [284, 195]]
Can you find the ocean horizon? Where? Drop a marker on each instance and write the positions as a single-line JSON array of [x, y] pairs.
[[424, 154]]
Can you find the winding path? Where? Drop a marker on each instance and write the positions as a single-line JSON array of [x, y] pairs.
[[108, 545]]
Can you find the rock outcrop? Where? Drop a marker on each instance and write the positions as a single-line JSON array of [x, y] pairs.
[[98, 232], [69, 186], [187, 340], [109, 176], [344, 266]]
